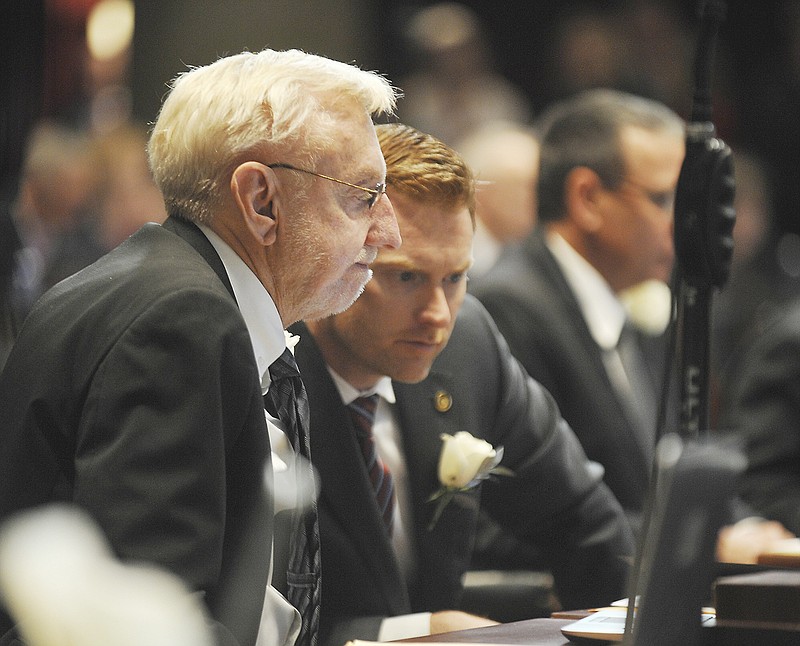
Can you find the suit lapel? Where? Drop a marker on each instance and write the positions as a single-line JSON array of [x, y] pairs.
[[422, 427], [426, 411], [605, 394], [346, 491], [547, 266], [562, 296]]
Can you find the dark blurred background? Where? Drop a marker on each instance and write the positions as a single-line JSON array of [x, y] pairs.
[[546, 48], [99, 68]]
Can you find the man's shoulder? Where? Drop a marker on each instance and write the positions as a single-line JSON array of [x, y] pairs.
[[525, 274], [152, 271], [475, 351], [153, 258], [472, 330]]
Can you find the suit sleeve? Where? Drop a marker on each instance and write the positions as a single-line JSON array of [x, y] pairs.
[[764, 416], [554, 500], [169, 458]]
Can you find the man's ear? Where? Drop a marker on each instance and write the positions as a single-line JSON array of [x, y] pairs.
[[253, 189], [583, 193]]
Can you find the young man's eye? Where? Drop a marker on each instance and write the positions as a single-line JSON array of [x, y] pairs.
[[456, 278], [406, 276]]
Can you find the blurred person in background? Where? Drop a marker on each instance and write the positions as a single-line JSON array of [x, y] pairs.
[[505, 159], [56, 208], [22, 101], [762, 411], [609, 167], [588, 51], [127, 195], [762, 276], [454, 86]]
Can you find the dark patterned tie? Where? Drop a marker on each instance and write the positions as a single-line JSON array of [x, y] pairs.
[[362, 410], [287, 401]]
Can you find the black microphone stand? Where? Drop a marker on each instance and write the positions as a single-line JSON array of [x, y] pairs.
[[704, 219]]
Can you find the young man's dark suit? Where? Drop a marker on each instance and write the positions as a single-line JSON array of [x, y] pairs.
[[535, 309], [148, 342], [551, 499]]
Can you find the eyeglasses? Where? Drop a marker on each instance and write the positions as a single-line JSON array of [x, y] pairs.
[[375, 193], [664, 200]]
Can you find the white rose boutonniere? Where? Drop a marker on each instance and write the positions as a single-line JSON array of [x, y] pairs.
[[465, 461]]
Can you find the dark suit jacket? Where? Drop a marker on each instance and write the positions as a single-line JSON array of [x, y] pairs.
[[551, 500], [132, 391], [763, 413], [536, 311]]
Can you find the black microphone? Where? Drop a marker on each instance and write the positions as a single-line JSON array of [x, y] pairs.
[[704, 220], [704, 213]]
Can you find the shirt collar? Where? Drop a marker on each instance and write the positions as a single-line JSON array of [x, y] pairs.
[[602, 310], [263, 322], [383, 387]]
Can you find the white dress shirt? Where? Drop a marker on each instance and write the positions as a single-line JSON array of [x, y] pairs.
[[602, 310], [606, 315], [389, 442], [280, 621]]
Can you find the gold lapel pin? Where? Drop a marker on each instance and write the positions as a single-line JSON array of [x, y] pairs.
[[442, 401]]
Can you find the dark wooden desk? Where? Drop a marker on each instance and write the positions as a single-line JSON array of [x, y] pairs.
[[531, 632], [547, 632]]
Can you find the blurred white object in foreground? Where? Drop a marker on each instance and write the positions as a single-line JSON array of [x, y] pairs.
[[63, 586], [649, 306]]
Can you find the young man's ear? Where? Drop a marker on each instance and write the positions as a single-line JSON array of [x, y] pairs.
[[583, 193], [253, 189]]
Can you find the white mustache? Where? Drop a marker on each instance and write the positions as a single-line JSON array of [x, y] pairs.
[[367, 256]]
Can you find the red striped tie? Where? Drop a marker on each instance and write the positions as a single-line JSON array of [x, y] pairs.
[[362, 410]]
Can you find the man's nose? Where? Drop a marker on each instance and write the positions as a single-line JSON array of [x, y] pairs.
[[436, 310], [384, 232]]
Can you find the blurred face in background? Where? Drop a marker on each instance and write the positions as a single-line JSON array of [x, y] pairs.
[[634, 241]]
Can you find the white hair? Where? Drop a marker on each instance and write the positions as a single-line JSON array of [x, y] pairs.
[[267, 104]]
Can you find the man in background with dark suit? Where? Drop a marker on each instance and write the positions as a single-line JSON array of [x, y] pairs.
[[608, 170], [609, 166], [135, 387], [438, 365]]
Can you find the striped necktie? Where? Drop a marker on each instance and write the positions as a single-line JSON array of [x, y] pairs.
[[362, 410], [287, 401]]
